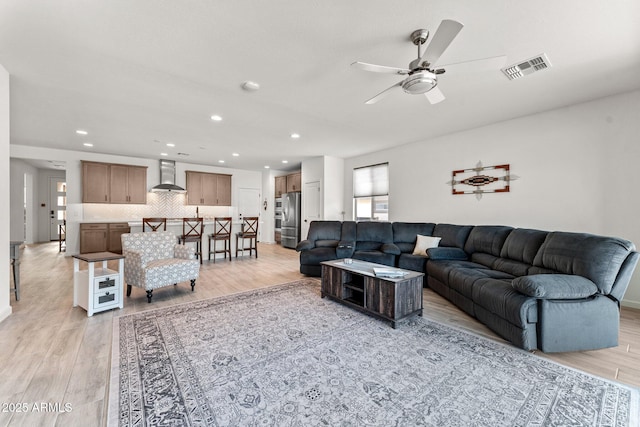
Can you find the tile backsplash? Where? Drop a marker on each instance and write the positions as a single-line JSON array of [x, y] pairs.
[[165, 204]]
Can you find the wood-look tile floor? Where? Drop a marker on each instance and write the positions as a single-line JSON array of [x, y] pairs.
[[52, 354]]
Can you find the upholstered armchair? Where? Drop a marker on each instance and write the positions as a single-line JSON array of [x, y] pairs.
[[155, 260]]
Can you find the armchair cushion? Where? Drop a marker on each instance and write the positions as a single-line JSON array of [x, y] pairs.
[[555, 286]]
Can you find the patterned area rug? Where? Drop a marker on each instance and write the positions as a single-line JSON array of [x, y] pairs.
[[282, 356]]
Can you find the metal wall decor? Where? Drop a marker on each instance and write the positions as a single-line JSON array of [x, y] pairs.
[[480, 180]]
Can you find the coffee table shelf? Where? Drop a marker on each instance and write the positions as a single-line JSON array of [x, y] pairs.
[[357, 286]]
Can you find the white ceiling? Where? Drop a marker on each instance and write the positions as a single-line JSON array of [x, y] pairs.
[[138, 74]]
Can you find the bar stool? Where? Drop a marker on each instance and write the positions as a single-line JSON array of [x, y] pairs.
[[192, 230], [62, 236], [221, 232], [249, 231], [154, 224]]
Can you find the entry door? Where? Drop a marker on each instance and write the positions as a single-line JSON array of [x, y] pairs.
[[312, 209], [249, 204], [57, 205]]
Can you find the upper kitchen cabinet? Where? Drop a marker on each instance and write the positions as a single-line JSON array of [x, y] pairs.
[[208, 189], [294, 181], [128, 184], [95, 182], [281, 185], [113, 183]]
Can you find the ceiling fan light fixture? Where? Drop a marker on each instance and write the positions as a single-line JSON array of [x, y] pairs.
[[419, 83]]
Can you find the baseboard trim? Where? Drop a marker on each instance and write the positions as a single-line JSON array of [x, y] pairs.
[[631, 304], [6, 312]]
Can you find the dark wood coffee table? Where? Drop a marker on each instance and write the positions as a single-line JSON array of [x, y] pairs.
[[357, 286]]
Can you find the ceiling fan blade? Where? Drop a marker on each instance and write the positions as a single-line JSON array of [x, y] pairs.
[[446, 32], [435, 95], [384, 93], [380, 68], [474, 65]]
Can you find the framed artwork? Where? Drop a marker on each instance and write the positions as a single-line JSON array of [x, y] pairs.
[[481, 179]]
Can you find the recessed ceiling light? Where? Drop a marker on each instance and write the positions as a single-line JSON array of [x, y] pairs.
[[216, 118], [235, 154], [295, 135], [163, 154], [250, 86], [285, 161], [267, 167], [170, 144], [88, 144], [220, 161], [82, 132]]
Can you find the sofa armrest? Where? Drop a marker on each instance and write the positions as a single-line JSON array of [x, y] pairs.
[[305, 245], [184, 252], [555, 286], [390, 248], [135, 258], [345, 249], [445, 253]]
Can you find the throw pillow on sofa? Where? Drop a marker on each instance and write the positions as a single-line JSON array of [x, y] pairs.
[[425, 242]]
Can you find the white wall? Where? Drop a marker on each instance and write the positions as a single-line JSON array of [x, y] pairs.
[[578, 169], [5, 307]]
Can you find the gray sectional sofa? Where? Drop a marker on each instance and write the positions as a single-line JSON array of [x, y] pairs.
[[553, 291]]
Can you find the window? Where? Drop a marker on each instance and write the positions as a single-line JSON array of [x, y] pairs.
[[371, 193]]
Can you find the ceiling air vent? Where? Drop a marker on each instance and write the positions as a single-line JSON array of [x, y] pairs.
[[531, 65]]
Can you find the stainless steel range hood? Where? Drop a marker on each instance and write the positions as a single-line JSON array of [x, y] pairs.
[[168, 178]]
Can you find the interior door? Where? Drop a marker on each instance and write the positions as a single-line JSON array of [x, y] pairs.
[[312, 209], [57, 205]]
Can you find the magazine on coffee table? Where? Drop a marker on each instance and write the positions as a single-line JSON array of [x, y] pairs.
[[389, 273]]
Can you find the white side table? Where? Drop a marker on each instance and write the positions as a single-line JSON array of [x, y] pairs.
[[98, 289]]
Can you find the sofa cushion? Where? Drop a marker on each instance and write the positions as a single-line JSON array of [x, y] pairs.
[[441, 253], [377, 257], [452, 235], [425, 242], [404, 234], [597, 258], [515, 268], [412, 262], [324, 230], [326, 243], [371, 235], [555, 286], [317, 255], [522, 244], [487, 239], [499, 297], [463, 279]]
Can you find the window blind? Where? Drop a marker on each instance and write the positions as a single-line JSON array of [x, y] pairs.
[[370, 181]]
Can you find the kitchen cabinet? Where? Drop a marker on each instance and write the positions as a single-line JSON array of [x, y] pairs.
[[95, 182], [294, 182], [93, 238], [113, 183], [208, 189], [102, 237], [128, 184], [114, 241], [281, 185]]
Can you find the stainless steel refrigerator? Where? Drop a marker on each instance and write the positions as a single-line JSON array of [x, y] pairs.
[[290, 220]]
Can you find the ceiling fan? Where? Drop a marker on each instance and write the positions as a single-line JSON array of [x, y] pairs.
[[422, 74]]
